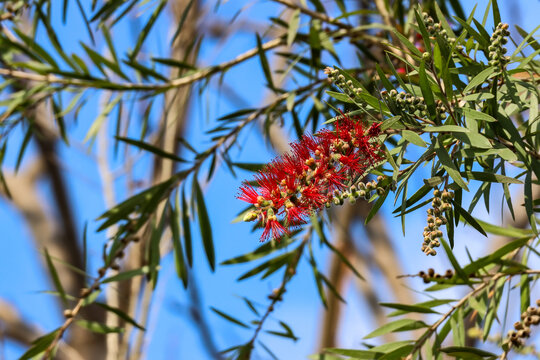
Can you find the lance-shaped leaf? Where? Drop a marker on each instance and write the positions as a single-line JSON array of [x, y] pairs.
[[467, 352], [204, 226], [448, 165], [264, 63], [395, 326], [55, 277], [39, 345], [186, 229], [151, 148], [121, 315], [146, 29], [97, 327], [180, 264], [229, 318]]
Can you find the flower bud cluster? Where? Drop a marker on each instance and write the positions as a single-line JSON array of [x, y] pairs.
[[497, 48], [339, 80], [435, 29], [429, 275], [435, 219], [361, 190], [522, 329], [414, 105]]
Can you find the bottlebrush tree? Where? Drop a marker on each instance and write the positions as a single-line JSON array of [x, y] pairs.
[[395, 108]]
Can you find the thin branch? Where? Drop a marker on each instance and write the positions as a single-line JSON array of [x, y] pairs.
[[315, 15], [175, 83], [431, 330], [277, 294], [85, 293]]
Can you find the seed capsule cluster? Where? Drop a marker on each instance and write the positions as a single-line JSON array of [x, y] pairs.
[[496, 49], [339, 80], [429, 275], [435, 219], [522, 329], [414, 105], [360, 190], [435, 29]]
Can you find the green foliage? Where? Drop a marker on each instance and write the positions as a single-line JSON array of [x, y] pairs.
[[447, 98]]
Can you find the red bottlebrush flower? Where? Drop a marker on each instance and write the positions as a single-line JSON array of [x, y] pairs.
[[273, 229], [303, 181], [375, 129], [248, 194], [295, 214]]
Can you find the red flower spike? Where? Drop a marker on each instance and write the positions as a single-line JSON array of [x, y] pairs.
[[301, 182]]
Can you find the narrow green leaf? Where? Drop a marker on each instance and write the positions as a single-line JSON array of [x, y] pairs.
[[524, 292], [96, 125], [127, 274], [489, 177], [413, 138], [55, 277], [340, 97], [375, 208], [263, 250], [459, 270], [467, 352], [445, 128], [477, 115], [388, 123], [353, 354], [405, 309], [344, 259], [121, 315], [389, 347], [229, 318], [468, 217], [484, 43], [180, 264], [97, 327], [410, 308], [186, 228], [474, 139], [146, 29], [294, 22], [264, 63], [481, 77], [39, 345], [151, 148], [426, 90], [204, 226], [529, 202], [407, 43], [496, 13], [398, 325], [278, 261], [448, 165], [182, 21], [496, 256]]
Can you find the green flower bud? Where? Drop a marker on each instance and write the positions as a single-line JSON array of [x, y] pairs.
[[250, 216]]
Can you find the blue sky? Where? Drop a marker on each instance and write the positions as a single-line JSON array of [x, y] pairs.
[[171, 334]]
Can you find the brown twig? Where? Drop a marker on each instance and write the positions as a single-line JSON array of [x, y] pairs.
[[431, 330], [277, 294], [315, 15], [175, 83], [85, 293]]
